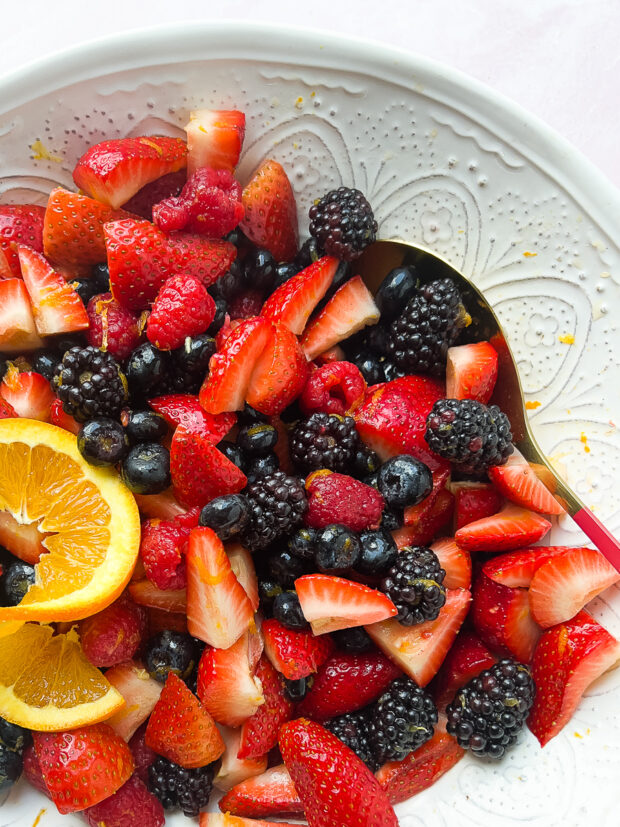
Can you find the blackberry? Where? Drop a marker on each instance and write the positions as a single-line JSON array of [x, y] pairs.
[[471, 435], [353, 730], [343, 223], [277, 505], [324, 441], [418, 340], [90, 384], [415, 585], [176, 787], [402, 720], [488, 713]]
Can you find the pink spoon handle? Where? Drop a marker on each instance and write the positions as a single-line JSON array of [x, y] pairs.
[[602, 538]]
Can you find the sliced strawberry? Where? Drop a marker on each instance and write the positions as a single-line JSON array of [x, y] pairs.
[[294, 654], [455, 561], [416, 515], [346, 683], [140, 693], [185, 409], [259, 734], [279, 374], [517, 568], [199, 471], [292, 303], [28, 393], [428, 524], [20, 224], [5, 267], [164, 505], [351, 308], [218, 609], [233, 770], [146, 593], [517, 482], [24, 541], [471, 372], [473, 501], [18, 332], [214, 138], [564, 584], [6, 411], [226, 820], [503, 620], [330, 603], [227, 685], [511, 528], [270, 211], [566, 661], [113, 171], [231, 368], [270, 794], [63, 420], [242, 564], [420, 650], [333, 354], [467, 658]]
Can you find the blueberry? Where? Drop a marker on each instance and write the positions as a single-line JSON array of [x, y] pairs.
[[260, 467], [378, 552], [233, 453], [260, 270], [297, 690], [171, 651], [100, 277], [146, 367], [285, 569], [221, 309], [391, 519], [365, 462], [287, 610], [370, 366], [87, 288], [145, 426], [308, 253], [337, 549], [267, 592], [45, 362], [285, 270], [103, 442], [240, 240], [301, 544], [372, 479], [13, 736], [391, 371], [355, 640], [377, 340], [404, 480], [257, 439], [17, 578], [11, 766], [231, 283], [146, 468], [250, 416], [228, 516], [194, 355], [395, 291]]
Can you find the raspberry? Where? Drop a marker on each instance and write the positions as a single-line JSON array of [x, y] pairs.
[[209, 204], [112, 328], [246, 304], [337, 387], [143, 756], [338, 498], [162, 553], [114, 634], [182, 308], [132, 804]]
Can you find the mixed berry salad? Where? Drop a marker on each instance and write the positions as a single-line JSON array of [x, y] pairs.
[[264, 534]]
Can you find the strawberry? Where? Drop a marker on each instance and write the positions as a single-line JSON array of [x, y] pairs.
[[246, 304], [24, 541], [162, 549], [113, 634], [351, 308], [218, 609], [33, 772], [420, 769], [270, 211], [503, 620], [294, 654], [231, 368], [330, 603], [511, 528], [83, 766], [564, 584], [226, 820], [61, 419], [7, 411], [18, 332], [473, 501], [281, 449], [227, 686], [358, 506], [182, 308], [233, 770], [131, 804], [270, 794], [209, 204], [392, 419], [242, 564], [185, 409], [420, 650], [214, 139], [292, 302], [332, 354], [467, 658], [144, 200], [418, 515], [335, 787], [159, 620], [336, 387], [471, 372], [518, 567], [259, 734], [164, 505], [428, 524], [5, 268], [28, 393], [140, 692], [567, 659], [517, 481], [20, 224], [73, 229], [346, 683], [113, 171], [279, 373], [145, 593], [113, 327], [141, 257], [455, 561]]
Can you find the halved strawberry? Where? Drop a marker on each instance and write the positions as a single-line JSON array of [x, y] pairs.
[[24, 541], [185, 409], [351, 308], [566, 661], [227, 685], [270, 794], [295, 654], [63, 420], [471, 371], [214, 138], [279, 374], [503, 620], [455, 561], [271, 211], [428, 524], [259, 734], [233, 770], [140, 693], [112, 171], [420, 650], [517, 568], [146, 593], [242, 564], [56, 306], [473, 501], [330, 603], [20, 224], [564, 584], [511, 528], [199, 471], [517, 482], [18, 332], [293, 302], [218, 609], [467, 658], [231, 368], [29, 393]]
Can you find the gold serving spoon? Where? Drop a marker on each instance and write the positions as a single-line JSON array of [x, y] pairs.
[[378, 260]]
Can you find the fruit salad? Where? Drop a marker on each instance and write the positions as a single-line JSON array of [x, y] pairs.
[[267, 550]]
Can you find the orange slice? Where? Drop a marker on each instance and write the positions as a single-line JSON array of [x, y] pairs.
[[89, 517], [47, 684]]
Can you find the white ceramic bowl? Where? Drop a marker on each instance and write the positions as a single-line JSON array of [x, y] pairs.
[[449, 164]]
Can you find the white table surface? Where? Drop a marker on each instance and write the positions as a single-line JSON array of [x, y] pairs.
[[557, 58]]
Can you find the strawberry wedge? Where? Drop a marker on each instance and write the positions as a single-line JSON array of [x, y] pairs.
[[233, 770], [20, 224], [185, 409], [511, 528], [214, 138], [18, 332], [471, 371], [330, 603], [28, 393], [270, 794], [518, 483], [242, 563], [455, 561], [226, 820], [293, 302], [517, 568], [259, 734], [270, 211], [279, 374], [24, 541]]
